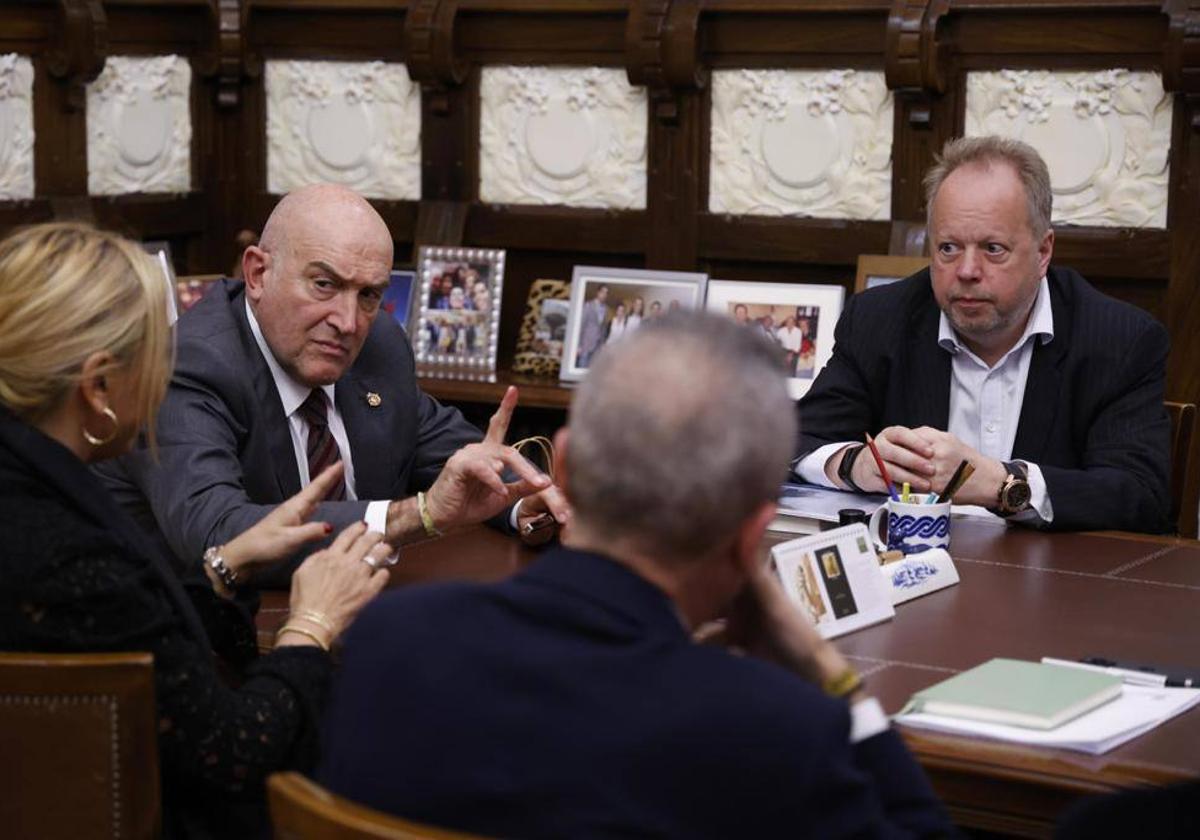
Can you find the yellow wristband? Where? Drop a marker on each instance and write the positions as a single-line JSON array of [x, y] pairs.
[[426, 520], [843, 684], [291, 628], [317, 618]]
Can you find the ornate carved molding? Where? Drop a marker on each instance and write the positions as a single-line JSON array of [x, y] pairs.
[[80, 48], [913, 57], [1181, 53], [662, 51], [227, 55], [429, 50], [16, 127]]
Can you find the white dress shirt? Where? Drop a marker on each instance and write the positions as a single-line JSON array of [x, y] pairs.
[[292, 394], [985, 404]]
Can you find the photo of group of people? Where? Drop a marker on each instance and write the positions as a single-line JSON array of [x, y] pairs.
[[794, 328], [613, 309], [459, 288]]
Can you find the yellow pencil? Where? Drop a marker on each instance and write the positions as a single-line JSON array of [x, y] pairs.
[[904, 494]]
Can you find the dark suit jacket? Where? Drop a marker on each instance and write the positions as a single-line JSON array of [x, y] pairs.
[[76, 575], [225, 453], [569, 701], [1092, 418]]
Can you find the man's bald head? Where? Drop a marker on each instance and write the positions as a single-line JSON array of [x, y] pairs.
[[316, 279], [314, 208]]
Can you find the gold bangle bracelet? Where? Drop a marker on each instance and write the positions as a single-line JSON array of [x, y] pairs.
[[291, 628], [843, 684], [431, 530], [317, 618]]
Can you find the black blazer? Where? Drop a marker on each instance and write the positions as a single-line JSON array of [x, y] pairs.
[[569, 701], [77, 575], [1092, 418], [225, 452]]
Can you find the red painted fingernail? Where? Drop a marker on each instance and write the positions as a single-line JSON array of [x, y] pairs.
[[328, 528]]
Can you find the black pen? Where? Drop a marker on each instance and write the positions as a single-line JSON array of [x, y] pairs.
[[1144, 671]]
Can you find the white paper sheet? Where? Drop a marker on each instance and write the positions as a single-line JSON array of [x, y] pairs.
[[1139, 709]]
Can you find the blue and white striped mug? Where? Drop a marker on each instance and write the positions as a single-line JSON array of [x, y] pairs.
[[912, 528]]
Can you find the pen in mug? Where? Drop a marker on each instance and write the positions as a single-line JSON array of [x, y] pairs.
[[883, 473]]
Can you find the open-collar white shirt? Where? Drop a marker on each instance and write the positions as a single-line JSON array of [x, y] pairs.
[[985, 403]]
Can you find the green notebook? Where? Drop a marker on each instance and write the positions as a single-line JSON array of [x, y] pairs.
[[1009, 691]]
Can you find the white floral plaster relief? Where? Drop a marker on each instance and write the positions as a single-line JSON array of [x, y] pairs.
[[556, 135], [16, 127], [1105, 136], [801, 142], [139, 126], [351, 123]]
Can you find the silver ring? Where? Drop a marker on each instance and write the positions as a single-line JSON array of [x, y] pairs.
[[371, 561]]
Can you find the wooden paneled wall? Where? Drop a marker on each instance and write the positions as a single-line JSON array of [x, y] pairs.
[[924, 47]]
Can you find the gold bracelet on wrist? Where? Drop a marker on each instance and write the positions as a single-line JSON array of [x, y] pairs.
[[291, 628], [431, 530], [317, 618], [843, 684]]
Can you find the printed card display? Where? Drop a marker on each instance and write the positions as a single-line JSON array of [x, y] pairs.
[[834, 578]]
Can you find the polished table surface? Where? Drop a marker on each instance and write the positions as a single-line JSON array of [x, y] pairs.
[[1023, 594]]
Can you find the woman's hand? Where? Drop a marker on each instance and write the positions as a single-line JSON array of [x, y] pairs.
[[282, 532], [335, 583]]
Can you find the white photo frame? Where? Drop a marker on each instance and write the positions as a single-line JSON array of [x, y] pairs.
[[593, 319], [833, 577], [456, 324], [806, 350]]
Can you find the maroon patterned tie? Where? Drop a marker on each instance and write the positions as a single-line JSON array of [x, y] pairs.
[[322, 448]]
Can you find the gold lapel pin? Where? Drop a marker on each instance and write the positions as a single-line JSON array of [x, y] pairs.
[[373, 399]]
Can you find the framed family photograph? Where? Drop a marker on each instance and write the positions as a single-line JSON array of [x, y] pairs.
[[458, 313], [798, 317], [397, 298], [608, 303], [881, 269]]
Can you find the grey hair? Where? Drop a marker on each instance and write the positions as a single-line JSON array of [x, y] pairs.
[[990, 149], [680, 431]]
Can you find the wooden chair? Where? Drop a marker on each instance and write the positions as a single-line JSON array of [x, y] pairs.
[[303, 810], [79, 740], [1185, 482]]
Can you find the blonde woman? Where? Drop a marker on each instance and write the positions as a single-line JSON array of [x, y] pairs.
[[85, 356]]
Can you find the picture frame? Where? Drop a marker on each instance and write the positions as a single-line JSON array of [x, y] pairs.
[[397, 297], [833, 577], [457, 318], [591, 322], [814, 310], [881, 269], [543, 331]]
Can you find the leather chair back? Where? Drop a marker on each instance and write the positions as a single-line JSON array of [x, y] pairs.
[[79, 742], [303, 810]]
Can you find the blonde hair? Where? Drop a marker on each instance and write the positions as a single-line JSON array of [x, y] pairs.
[[67, 291]]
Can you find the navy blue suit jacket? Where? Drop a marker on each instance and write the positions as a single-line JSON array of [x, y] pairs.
[[1092, 417], [225, 453], [569, 701]]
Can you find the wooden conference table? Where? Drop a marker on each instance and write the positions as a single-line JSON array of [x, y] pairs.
[[1022, 594]]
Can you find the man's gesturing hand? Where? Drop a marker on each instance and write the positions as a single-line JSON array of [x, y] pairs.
[[471, 487]]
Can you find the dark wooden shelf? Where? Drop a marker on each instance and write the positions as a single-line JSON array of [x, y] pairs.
[[536, 392]]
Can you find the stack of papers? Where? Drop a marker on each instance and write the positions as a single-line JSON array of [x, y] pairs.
[[1139, 709]]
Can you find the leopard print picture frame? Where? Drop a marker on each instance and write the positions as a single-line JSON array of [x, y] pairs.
[[543, 329]]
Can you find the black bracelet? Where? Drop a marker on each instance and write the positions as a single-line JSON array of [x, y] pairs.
[[848, 458]]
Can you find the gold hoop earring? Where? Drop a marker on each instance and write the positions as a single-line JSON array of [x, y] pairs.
[[95, 441]]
